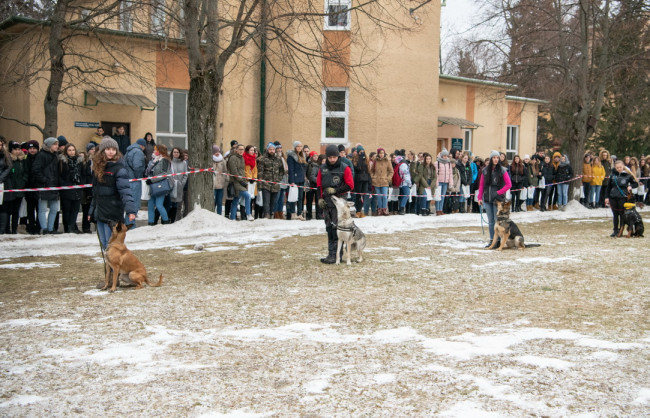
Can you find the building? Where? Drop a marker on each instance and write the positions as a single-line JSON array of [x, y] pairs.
[[405, 103]]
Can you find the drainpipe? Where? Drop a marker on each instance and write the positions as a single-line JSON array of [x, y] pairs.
[[263, 77]]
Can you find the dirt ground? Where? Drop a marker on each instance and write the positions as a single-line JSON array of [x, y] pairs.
[[429, 324]]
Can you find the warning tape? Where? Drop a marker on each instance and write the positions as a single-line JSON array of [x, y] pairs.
[[201, 170]]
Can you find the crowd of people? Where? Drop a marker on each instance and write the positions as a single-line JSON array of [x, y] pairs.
[[250, 183]]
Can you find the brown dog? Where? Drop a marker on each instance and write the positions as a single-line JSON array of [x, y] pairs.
[[121, 260]]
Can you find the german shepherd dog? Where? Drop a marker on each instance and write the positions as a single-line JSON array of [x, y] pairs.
[[633, 220], [121, 260], [347, 232], [506, 230]]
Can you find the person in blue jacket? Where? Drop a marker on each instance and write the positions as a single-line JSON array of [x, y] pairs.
[[134, 163], [297, 165]]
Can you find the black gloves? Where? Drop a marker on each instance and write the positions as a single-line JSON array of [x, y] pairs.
[[148, 181]]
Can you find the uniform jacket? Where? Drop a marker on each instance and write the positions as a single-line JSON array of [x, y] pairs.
[[270, 168]]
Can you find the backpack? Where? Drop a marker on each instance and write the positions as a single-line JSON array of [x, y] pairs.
[[397, 179]]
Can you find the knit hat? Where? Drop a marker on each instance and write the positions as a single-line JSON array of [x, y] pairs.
[[62, 140], [216, 149], [32, 144], [360, 148], [380, 149], [270, 145], [332, 150], [444, 152], [277, 144], [341, 147], [49, 142], [13, 145], [296, 143], [141, 142], [233, 143], [108, 142], [311, 154], [91, 145], [495, 153], [526, 157], [557, 154]]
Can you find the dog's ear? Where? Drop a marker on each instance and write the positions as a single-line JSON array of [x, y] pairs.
[[111, 224], [129, 226], [118, 227]]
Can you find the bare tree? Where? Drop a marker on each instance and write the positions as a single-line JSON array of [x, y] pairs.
[[288, 37], [58, 52]]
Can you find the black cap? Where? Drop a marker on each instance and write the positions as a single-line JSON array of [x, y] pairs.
[[332, 150], [341, 147], [233, 143]]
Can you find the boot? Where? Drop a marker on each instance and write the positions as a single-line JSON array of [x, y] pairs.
[[267, 216], [331, 253], [529, 208], [385, 212], [536, 206], [555, 207], [167, 222], [360, 215], [402, 211], [424, 212], [376, 213], [293, 217], [278, 215]]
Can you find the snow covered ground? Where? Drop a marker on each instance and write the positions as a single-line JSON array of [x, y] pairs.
[[254, 326]]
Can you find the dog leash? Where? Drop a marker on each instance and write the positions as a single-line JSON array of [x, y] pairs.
[[101, 247]]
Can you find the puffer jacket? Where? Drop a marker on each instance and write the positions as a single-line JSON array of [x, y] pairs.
[[112, 197], [219, 181], [236, 167], [382, 172], [598, 173], [296, 169], [465, 172], [17, 178], [134, 161], [563, 172], [587, 173], [311, 173], [5, 168], [71, 173], [270, 168], [159, 166], [46, 173], [618, 182], [445, 170]]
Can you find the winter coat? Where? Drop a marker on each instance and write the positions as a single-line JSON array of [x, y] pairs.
[[112, 197], [607, 165], [270, 168], [532, 174], [5, 168], [454, 186], [148, 151], [87, 178], [465, 172], [382, 172], [17, 178], [296, 168], [423, 174], [71, 173], [46, 173], [548, 173], [517, 175], [618, 182], [311, 173], [124, 141], [134, 161], [563, 172], [337, 176], [219, 181], [404, 172], [498, 185], [598, 173], [361, 171], [251, 172], [587, 173], [445, 170], [159, 166], [178, 166], [236, 167]]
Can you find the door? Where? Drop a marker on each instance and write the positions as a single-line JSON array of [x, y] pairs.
[[110, 128]]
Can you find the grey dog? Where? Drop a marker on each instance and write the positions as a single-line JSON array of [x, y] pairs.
[[347, 231]]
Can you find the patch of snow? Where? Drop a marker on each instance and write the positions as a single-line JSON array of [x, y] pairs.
[[317, 386], [235, 414], [22, 400], [506, 371], [29, 266], [96, 292], [604, 355], [469, 409], [643, 397], [384, 378], [544, 362]]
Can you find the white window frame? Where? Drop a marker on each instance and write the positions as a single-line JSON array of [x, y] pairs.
[[512, 141], [173, 134], [347, 4], [331, 114], [126, 16], [468, 136]]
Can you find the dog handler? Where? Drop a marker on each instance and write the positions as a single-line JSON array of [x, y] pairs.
[[334, 179], [621, 182], [495, 182], [112, 194]]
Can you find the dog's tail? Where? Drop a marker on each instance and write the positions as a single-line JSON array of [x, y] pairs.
[[533, 245], [156, 284]]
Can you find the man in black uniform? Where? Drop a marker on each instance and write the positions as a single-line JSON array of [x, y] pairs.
[[334, 179]]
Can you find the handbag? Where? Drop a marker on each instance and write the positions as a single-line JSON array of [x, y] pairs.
[[523, 194], [22, 211], [466, 191], [293, 194], [259, 201], [437, 196], [251, 188], [427, 192], [146, 190], [2, 192], [161, 188]]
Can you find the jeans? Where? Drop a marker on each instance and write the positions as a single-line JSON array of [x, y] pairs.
[[443, 191], [218, 200], [405, 192], [370, 203], [562, 194], [157, 203], [47, 223], [491, 212], [279, 204], [594, 194], [136, 191], [291, 206], [235, 204], [382, 197], [105, 232]]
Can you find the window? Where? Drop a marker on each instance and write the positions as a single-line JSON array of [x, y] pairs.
[[126, 17], [171, 118], [335, 115], [338, 14], [467, 140], [512, 141], [158, 17]]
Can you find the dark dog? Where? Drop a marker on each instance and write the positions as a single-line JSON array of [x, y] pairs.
[[120, 260], [633, 220], [506, 230]]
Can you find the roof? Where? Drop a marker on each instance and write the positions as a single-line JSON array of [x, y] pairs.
[[122, 99], [448, 120], [477, 81], [527, 100]]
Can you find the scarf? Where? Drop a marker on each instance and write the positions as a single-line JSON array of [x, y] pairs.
[[249, 160], [75, 169], [217, 159]]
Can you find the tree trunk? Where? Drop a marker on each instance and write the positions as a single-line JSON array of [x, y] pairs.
[[203, 100], [57, 71]]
